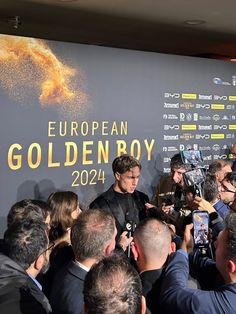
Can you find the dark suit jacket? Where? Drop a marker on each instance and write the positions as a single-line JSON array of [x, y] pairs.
[[177, 298], [67, 290], [108, 200], [151, 285], [19, 294]]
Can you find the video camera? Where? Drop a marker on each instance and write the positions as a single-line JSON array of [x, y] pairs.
[[195, 177]]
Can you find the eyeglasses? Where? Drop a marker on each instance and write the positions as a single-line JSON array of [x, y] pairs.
[[50, 247], [225, 189]]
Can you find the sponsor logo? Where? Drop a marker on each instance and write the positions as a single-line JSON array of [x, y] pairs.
[[187, 147], [233, 117], [232, 126], [216, 97], [183, 116], [171, 127], [166, 159], [188, 127], [202, 136], [170, 117], [216, 147], [224, 156], [219, 81], [225, 117], [202, 148], [171, 105], [187, 105], [166, 170], [189, 96], [195, 147], [216, 117], [205, 127], [232, 98], [205, 118], [187, 136], [217, 136], [172, 95], [209, 157], [205, 97], [218, 106], [220, 127], [230, 107], [172, 149], [170, 137], [230, 135], [195, 116], [203, 106]]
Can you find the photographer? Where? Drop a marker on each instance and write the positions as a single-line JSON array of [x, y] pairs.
[[216, 298]]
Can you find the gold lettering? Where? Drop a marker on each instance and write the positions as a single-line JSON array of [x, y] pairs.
[[74, 127], [95, 126], [103, 152], [149, 148], [87, 152], [51, 163], [121, 147], [62, 128], [17, 158], [37, 147], [124, 128], [138, 148], [84, 128], [71, 161], [51, 127], [114, 129], [104, 127]]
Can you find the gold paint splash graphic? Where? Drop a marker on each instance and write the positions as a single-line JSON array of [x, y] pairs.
[[28, 65]]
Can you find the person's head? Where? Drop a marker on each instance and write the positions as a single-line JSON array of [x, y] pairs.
[[152, 244], [93, 235], [225, 253], [219, 168], [29, 209], [228, 188], [64, 211], [113, 286], [210, 188], [177, 169], [26, 243], [126, 170]]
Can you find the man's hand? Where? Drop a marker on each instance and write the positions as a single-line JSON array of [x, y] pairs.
[[124, 240], [203, 204], [187, 244]]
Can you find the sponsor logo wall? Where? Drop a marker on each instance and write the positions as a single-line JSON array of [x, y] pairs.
[[67, 110]]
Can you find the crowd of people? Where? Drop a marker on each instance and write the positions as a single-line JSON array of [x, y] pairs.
[[125, 254]]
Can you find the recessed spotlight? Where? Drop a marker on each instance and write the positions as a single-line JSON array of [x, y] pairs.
[[194, 22]]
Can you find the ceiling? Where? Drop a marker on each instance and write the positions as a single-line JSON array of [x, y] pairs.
[[149, 25]]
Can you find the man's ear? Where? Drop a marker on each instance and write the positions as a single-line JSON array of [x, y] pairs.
[[117, 176], [39, 262], [135, 252], [143, 305], [231, 267], [108, 249], [172, 247]]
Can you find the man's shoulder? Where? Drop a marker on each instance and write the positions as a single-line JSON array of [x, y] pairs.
[[141, 195], [105, 196]]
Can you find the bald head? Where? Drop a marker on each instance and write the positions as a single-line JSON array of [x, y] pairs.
[[153, 240]]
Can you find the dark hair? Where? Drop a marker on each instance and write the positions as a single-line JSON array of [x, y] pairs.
[[210, 188], [230, 226], [124, 163], [62, 204], [25, 240], [176, 162], [91, 232], [217, 165], [113, 287], [231, 178], [28, 209]]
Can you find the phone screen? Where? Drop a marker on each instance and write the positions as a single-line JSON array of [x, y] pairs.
[[191, 156], [200, 228], [193, 177]]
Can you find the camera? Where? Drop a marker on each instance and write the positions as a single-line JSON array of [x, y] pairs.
[[200, 228]]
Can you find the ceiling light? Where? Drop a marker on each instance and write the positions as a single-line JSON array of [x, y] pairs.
[[194, 22]]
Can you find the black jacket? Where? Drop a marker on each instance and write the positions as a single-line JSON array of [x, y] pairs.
[[19, 294], [108, 200]]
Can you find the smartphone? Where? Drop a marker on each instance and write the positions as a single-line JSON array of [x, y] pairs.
[[191, 157], [194, 177], [200, 228]]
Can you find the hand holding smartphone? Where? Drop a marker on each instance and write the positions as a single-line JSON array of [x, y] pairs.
[[200, 228]]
